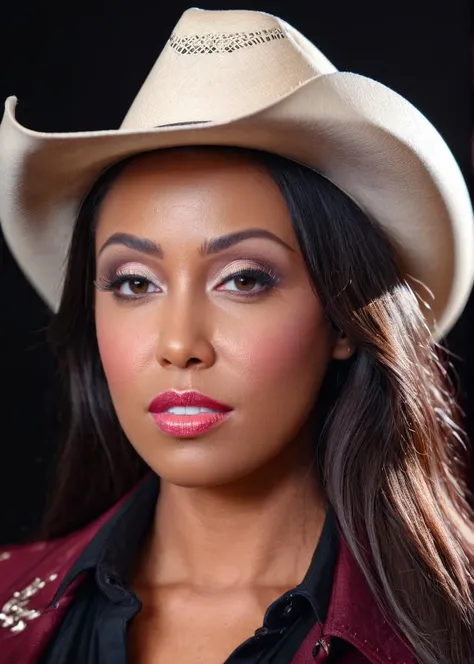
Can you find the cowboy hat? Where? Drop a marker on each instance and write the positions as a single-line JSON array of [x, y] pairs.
[[249, 79]]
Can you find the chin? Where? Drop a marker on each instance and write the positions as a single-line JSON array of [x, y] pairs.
[[196, 478], [194, 470]]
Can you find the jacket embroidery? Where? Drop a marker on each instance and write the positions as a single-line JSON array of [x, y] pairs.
[[15, 612]]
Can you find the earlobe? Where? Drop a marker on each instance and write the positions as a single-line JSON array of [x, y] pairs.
[[343, 348]]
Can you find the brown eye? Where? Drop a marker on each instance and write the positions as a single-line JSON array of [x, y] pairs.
[[127, 286], [245, 283], [139, 286], [252, 281], [134, 286]]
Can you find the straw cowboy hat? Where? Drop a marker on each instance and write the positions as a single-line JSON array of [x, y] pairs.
[[249, 79]]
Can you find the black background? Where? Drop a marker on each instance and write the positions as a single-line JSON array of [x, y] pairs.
[[77, 66]]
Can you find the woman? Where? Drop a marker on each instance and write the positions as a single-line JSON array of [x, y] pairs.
[[260, 262]]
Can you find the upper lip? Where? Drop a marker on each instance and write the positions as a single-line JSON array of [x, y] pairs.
[[171, 398]]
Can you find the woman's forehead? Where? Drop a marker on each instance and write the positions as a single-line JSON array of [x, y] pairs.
[[211, 191]]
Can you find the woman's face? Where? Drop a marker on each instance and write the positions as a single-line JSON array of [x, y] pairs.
[[201, 286]]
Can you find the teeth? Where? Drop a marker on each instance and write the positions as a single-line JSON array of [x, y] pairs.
[[188, 410]]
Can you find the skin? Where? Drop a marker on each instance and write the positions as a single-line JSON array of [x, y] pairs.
[[239, 512]]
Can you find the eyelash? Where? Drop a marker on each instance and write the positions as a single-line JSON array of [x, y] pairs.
[[266, 278]]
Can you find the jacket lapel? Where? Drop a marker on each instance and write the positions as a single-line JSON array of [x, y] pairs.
[[355, 617]]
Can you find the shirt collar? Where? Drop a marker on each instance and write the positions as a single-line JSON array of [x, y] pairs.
[[115, 545], [319, 578]]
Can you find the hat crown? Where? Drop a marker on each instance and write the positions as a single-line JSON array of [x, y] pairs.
[[219, 64]]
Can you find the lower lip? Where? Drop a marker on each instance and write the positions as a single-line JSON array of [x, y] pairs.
[[188, 426]]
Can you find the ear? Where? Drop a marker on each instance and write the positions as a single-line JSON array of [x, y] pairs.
[[343, 347]]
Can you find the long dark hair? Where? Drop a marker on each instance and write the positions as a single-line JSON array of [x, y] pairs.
[[391, 451]]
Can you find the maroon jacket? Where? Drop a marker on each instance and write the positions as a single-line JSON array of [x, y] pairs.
[[31, 574]]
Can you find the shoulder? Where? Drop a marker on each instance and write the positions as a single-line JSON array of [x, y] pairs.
[[356, 616], [39, 581], [38, 568], [30, 577]]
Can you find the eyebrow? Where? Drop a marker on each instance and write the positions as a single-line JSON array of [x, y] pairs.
[[214, 246]]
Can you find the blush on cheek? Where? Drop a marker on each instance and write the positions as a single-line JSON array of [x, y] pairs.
[[123, 351], [285, 350]]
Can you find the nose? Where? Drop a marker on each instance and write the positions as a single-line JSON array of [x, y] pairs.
[[184, 341]]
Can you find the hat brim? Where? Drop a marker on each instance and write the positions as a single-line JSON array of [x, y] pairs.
[[362, 136]]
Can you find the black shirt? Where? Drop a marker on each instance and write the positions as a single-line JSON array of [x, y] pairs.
[[94, 629]]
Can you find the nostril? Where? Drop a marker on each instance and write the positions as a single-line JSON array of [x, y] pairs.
[[193, 361]]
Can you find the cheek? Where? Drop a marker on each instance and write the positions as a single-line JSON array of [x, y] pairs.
[[124, 348], [285, 347]]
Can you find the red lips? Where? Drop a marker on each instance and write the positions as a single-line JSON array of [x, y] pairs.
[[187, 426], [169, 399]]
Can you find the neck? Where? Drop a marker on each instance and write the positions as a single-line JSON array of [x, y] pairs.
[[261, 531]]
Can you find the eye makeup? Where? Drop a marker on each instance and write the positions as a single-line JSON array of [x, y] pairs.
[[127, 270], [244, 270], [250, 279]]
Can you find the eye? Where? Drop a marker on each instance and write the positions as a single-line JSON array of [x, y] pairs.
[[127, 286], [251, 281], [132, 286]]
